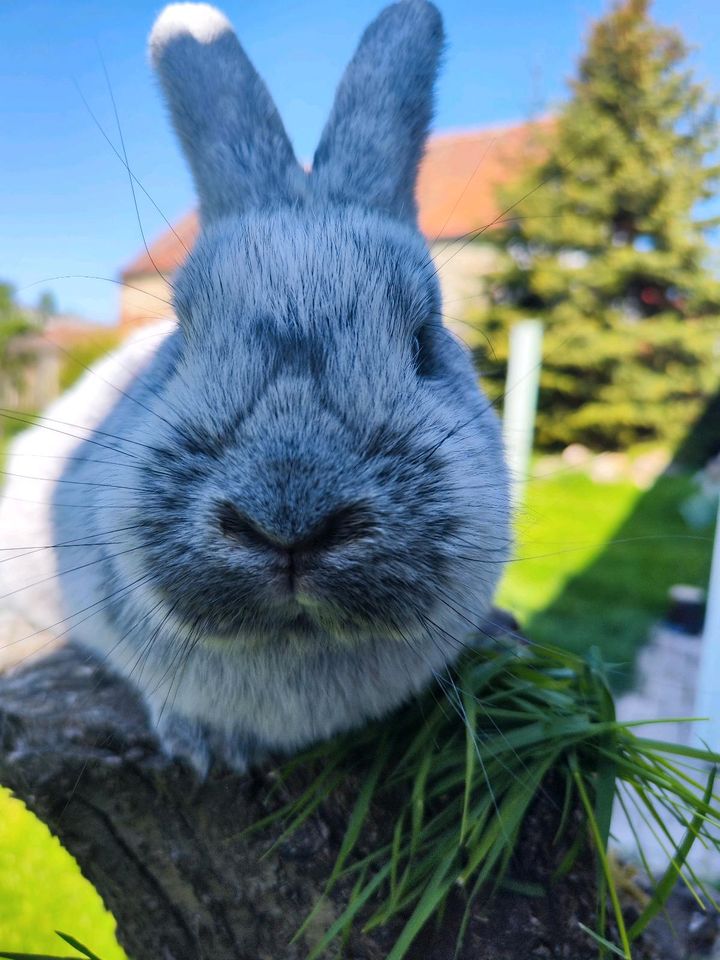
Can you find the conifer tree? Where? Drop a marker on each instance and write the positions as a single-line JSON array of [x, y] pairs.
[[609, 249]]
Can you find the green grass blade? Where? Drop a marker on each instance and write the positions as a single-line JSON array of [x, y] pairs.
[[602, 856], [360, 811], [435, 893], [470, 757], [417, 799], [696, 753], [601, 941], [33, 956], [81, 948], [350, 912], [669, 878]]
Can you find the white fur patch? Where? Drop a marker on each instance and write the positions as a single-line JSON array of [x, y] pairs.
[[35, 461], [199, 20]]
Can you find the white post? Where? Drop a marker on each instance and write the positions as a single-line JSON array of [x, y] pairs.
[[707, 691], [521, 392]]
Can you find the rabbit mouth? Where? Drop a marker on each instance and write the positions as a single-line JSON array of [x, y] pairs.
[[314, 623], [313, 627]]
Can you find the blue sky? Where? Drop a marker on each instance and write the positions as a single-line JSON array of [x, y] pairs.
[[65, 203]]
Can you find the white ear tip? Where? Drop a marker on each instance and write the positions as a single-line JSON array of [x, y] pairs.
[[200, 21]]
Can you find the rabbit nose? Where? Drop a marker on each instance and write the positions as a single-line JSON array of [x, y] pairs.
[[339, 527]]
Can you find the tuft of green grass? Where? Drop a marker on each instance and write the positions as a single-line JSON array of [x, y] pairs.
[[463, 769]]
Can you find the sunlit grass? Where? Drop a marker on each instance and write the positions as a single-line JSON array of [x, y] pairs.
[[42, 890], [595, 562], [564, 524]]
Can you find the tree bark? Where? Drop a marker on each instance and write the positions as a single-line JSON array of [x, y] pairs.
[[170, 859]]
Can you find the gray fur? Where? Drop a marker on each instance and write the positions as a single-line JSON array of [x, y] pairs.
[[309, 373], [371, 147], [225, 118]]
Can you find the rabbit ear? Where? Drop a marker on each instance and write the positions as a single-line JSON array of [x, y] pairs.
[[226, 120], [373, 142]]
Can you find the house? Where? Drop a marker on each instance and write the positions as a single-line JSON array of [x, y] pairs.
[[457, 201], [46, 359]]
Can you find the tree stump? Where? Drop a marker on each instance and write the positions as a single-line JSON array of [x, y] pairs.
[[172, 861]]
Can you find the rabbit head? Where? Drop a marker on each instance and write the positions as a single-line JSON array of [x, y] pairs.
[[323, 465]]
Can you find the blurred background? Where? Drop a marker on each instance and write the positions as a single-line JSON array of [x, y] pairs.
[[572, 178]]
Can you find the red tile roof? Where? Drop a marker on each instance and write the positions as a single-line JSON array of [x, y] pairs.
[[456, 189], [461, 172], [168, 251]]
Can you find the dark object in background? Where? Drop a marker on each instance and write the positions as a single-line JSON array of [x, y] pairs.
[[686, 609]]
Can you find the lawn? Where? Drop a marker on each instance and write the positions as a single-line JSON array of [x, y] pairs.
[[563, 526], [594, 563], [42, 890]]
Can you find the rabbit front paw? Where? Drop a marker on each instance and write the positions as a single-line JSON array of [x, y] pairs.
[[200, 746]]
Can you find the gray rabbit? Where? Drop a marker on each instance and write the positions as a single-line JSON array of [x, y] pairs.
[[283, 515]]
